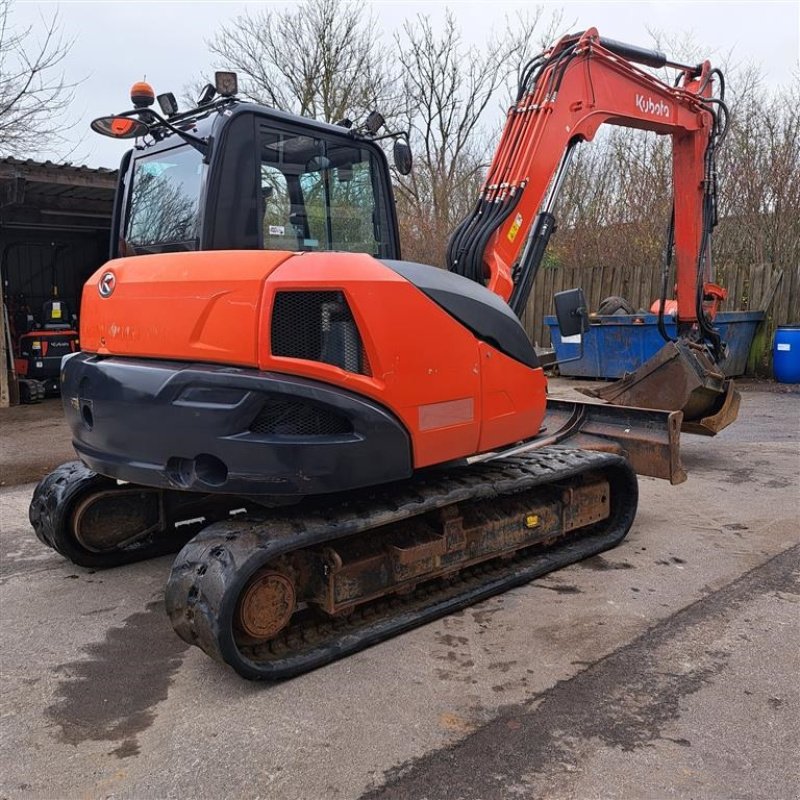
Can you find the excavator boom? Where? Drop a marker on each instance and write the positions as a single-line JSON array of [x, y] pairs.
[[565, 95]]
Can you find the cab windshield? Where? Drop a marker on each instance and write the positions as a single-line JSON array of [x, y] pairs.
[[163, 212]]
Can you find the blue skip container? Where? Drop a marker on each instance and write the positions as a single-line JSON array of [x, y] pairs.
[[615, 345], [786, 354]]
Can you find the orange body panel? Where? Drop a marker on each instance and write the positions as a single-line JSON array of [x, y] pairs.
[[199, 306], [514, 399], [426, 367], [455, 395], [419, 355]]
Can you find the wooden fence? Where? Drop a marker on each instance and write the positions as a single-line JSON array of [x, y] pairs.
[[764, 287]]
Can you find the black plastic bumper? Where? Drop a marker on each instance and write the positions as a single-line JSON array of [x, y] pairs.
[[220, 429]]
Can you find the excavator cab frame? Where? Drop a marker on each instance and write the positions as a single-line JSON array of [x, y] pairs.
[[251, 150]]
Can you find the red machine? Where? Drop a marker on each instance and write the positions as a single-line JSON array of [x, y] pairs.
[[258, 345], [40, 350], [42, 335]]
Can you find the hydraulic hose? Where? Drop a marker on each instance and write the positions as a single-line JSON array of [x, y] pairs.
[[665, 267]]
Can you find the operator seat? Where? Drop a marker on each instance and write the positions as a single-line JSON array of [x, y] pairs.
[[56, 315]]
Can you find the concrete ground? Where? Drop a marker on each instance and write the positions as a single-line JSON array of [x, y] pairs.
[[35, 439], [665, 668]]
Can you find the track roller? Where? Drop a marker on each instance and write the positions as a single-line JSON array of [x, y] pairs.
[[265, 606]]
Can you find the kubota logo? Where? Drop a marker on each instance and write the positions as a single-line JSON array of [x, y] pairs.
[[107, 283], [649, 106]]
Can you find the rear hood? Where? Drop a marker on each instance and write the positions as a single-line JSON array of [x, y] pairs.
[[201, 306]]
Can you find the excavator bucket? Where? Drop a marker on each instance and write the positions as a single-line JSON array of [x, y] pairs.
[[679, 377]]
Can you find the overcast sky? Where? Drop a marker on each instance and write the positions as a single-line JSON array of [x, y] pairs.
[[116, 43]]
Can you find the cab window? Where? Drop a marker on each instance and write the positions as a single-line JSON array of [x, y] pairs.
[[319, 194], [163, 211], [276, 221]]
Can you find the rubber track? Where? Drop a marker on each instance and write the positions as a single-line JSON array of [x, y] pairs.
[[31, 391], [51, 508], [212, 569]]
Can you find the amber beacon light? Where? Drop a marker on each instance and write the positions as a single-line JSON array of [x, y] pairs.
[[142, 95]]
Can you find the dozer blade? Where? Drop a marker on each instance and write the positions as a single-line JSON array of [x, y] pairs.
[[648, 439], [679, 377]]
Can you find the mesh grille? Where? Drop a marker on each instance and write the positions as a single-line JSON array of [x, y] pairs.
[[317, 326], [299, 418]]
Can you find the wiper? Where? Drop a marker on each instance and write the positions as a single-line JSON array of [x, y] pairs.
[[201, 144]]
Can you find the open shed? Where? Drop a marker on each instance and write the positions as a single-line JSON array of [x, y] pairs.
[[55, 221]]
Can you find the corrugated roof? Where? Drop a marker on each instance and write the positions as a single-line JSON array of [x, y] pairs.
[[48, 185], [66, 166], [37, 193]]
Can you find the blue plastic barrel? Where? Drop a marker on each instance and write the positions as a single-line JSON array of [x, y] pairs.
[[786, 354]]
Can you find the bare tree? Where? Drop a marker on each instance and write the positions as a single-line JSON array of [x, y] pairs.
[[33, 90], [322, 59], [760, 199], [451, 93]]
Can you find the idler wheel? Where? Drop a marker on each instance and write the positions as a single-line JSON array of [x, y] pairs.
[[266, 605], [110, 520]]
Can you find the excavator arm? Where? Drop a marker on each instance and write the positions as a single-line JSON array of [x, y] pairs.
[[565, 95]]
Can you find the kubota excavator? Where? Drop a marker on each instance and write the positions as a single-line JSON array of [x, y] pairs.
[[347, 445]]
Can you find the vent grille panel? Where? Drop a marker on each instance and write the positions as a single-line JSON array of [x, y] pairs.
[[292, 417], [317, 326]]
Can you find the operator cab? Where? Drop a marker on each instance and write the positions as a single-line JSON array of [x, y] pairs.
[[230, 175]]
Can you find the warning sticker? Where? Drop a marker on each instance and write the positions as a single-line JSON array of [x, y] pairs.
[[515, 226], [277, 230], [783, 346], [56, 312]]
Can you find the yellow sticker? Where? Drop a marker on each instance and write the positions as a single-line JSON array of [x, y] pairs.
[[515, 226], [532, 521]]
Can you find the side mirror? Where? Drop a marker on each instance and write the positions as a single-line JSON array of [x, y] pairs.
[[119, 127], [571, 312], [403, 159]]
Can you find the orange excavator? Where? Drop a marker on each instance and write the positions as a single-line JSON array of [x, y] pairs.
[[344, 445]]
